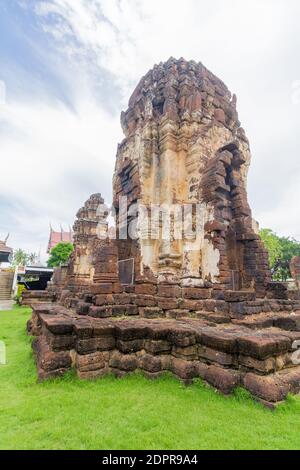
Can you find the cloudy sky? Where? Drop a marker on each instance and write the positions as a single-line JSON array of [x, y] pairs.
[[68, 67]]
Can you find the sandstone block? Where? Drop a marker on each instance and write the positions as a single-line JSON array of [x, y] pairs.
[[91, 362], [219, 357], [167, 304], [91, 345], [146, 289], [127, 347], [239, 296], [169, 291], [123, 362], [82, 308], [222, 379], [151, 312], [157, 347], [100, 312], [58, 325], [145, 301], [184, 369], [263, 346], [103, 299], [97, 289]]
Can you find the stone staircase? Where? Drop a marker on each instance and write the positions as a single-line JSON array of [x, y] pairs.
[[6, 283]]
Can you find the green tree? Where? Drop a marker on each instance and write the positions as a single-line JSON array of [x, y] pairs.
[[20, 258], [273, 245], [60, 254], [281, 251]]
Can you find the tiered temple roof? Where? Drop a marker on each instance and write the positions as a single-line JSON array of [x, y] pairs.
[[5, 252], [58, 237]]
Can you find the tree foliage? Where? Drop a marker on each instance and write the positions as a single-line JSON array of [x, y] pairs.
[[60, 254], [281, 251]]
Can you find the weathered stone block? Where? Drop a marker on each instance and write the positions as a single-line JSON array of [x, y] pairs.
[[212, 355], [266, 366], [182, 337], [189, 352], [291, 322], [151, 312], [92, 374], [100, 312], [177, 313], [196, 293], [263, 346], [167, 304], [91, 362], [169, 291], [123, 362], [128, 331], [224, 380], [82, 308], [184, 369], [97, 289], [49, 360], [122, 299], [145, 301], [147, 289], [225, 341], [268, 388], [86, 346], [124, 310], [103, 299], [130, 346], [157, 347], [239, 296], [57, 325], [83, 328], [60, 342]]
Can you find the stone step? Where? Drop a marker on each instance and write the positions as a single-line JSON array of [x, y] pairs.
[[273, 388], [224, 355]]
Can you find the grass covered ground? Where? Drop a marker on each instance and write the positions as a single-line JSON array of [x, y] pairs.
[[132, 413]]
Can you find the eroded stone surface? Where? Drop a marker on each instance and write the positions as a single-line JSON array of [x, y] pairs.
[[201, 306], [260, 360]]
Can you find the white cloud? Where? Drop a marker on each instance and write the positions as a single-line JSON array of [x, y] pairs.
[[54, 158]]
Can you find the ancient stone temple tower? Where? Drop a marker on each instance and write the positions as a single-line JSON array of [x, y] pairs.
[[192, 296], [184, 146], [81, 267]]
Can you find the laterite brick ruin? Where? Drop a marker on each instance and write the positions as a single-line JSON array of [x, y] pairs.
[[200, 306]]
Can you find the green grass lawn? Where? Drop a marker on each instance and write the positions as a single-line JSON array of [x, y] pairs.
[[132, 413]]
